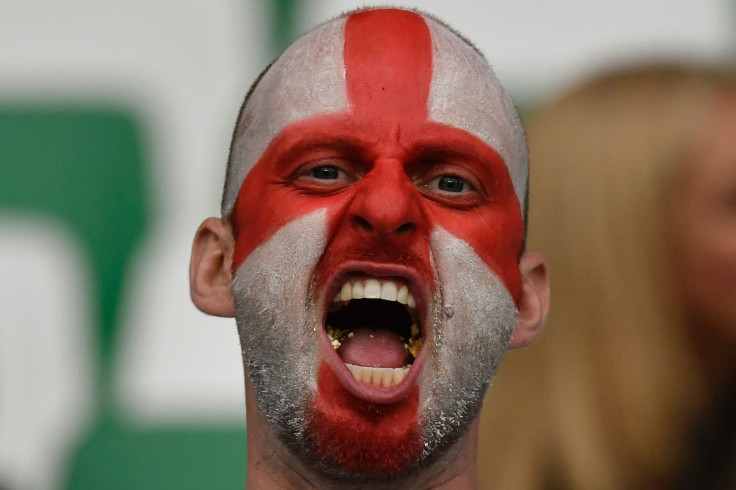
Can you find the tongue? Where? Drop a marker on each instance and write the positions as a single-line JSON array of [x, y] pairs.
[[374, 348]]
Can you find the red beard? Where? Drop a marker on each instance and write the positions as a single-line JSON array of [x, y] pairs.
[[361, 437]]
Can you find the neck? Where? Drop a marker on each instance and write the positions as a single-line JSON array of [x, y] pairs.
[[272, 466]]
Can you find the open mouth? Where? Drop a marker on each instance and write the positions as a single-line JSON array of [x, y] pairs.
[[374, 327]]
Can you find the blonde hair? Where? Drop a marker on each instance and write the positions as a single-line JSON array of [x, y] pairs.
[[602, 399]]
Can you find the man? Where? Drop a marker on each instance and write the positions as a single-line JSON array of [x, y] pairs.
[[371, 250]]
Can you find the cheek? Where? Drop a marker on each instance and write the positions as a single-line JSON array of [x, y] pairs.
[[495, 234], [717, 268], [705, 249], [252, 227], [711, 290], [704, 264], [483, 309]]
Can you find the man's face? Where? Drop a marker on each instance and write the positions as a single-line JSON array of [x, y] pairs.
[[377, 240]]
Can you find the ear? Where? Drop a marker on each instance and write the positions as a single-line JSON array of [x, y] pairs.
[[210, 274], [534, 300]]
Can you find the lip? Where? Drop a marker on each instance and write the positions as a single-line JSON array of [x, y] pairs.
[[417, 287]]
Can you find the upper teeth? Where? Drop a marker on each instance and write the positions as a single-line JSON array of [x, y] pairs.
[[375, 289]]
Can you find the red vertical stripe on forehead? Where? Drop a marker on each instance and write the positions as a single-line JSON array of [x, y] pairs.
[[388, 64], [387, 56]]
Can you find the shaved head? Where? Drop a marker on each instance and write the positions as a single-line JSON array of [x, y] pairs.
[[310, 78]]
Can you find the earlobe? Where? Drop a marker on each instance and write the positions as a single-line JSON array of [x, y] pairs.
[[210, 276], [534, 301]]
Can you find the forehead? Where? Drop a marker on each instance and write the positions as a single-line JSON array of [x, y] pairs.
[[313, 78]]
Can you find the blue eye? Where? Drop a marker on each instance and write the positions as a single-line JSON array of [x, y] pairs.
[[450, 183], [325, 173]]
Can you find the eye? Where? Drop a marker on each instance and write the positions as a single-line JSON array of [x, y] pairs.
[[453, 188], [451, 183], [325, 173], [322, 177]]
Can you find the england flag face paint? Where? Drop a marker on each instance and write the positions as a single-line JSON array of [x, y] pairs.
[[375, 190]]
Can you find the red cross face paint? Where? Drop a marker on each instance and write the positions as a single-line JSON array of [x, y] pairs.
[[379, 170]]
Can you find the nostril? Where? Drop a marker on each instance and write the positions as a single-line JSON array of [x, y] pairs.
[[362, 223], [405, 228]]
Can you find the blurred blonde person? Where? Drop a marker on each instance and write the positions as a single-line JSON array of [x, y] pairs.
[[633, 184]]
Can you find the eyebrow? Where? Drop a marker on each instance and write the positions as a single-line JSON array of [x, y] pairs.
[[443, 150], [316, 142]]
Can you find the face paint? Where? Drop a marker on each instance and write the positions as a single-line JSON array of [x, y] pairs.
[[472, 318], [270, 291], [353, 190]]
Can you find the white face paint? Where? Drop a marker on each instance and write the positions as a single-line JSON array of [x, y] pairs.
[[466, 94], [276, 320], [473, 318], [306, 80]]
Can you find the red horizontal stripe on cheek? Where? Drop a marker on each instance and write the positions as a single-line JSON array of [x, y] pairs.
[[495, 229], [497, 237], [263, 207], [267, 200]]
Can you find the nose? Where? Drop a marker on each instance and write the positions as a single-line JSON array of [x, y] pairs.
[[387, 204]]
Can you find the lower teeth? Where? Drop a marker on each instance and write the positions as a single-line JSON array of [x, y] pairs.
[[385, 377]]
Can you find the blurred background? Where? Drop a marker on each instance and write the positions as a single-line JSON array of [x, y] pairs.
[[115, 120]]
